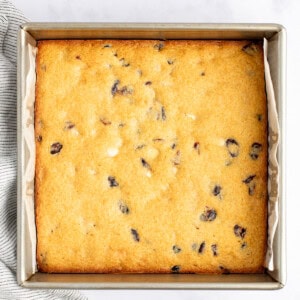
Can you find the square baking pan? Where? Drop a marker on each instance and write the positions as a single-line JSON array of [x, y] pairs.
[[27, 273]]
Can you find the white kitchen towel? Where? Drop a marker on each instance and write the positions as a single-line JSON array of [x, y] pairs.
[[10, 19]]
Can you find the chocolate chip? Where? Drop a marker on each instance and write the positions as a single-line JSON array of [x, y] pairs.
[[125, 90], [217, 190], [239, 231], [135, 235], [249, 179], [176, 249], [177, 158], [114, 88], [259, 117], [250, 49], [214, 249], [163, 113], [158, 140], [173, 146], [197, 147], [202, 74], [256, 148], [123, 208], [39, 138], [209, 214], [77, 57], [112, 181], [175, 269], [232, 147], [148, 82], [105, 122], [159, 46], [145, 164], [124, 63], [244, 245], [107, 46], [224, 270], [55, 148], [170, 61], [201, 248], [69, 125], [251, 184]]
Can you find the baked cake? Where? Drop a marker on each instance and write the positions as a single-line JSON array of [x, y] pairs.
[[151, 156]]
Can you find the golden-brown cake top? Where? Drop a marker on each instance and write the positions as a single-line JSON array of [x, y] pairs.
[[151, 156]]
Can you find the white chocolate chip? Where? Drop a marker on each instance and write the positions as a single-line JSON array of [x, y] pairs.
[[74, 131], [112, 151], [119, 142], [151, 152], [191, 116], [92, 171]]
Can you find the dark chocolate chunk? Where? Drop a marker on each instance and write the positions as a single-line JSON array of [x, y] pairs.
[[250, 49], [163, 113], [125, 90], [135, 235], [202, 74], [124, 63], [224, 270], [105, 122], [175, 269], [209, 214], [197, 147], [123, 208], [259, 117], [256, 148], [217, 190], [233, 147], [140, 147], [148, 82], [55, 148], [78, 57], [201, 247], [159, 46], [114, 88], [214, 249], [69, 125], [176, 249], [112, 181], [251, 184], [158, 140], [249, 179], [39, 138], [239, 231], [145, 164]]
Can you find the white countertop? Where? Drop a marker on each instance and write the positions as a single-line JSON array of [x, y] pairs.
[[285, 12]]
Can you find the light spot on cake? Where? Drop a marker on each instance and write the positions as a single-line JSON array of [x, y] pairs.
[[151, 152], [148, 174], [92, 171], [74, 131], [112, 151], [191, 116]]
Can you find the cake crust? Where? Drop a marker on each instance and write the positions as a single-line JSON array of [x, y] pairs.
[[151, 156]]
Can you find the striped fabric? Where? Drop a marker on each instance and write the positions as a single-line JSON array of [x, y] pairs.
[[10, 19]]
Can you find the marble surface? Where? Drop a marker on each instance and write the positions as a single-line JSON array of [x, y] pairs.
[[285, 12]]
